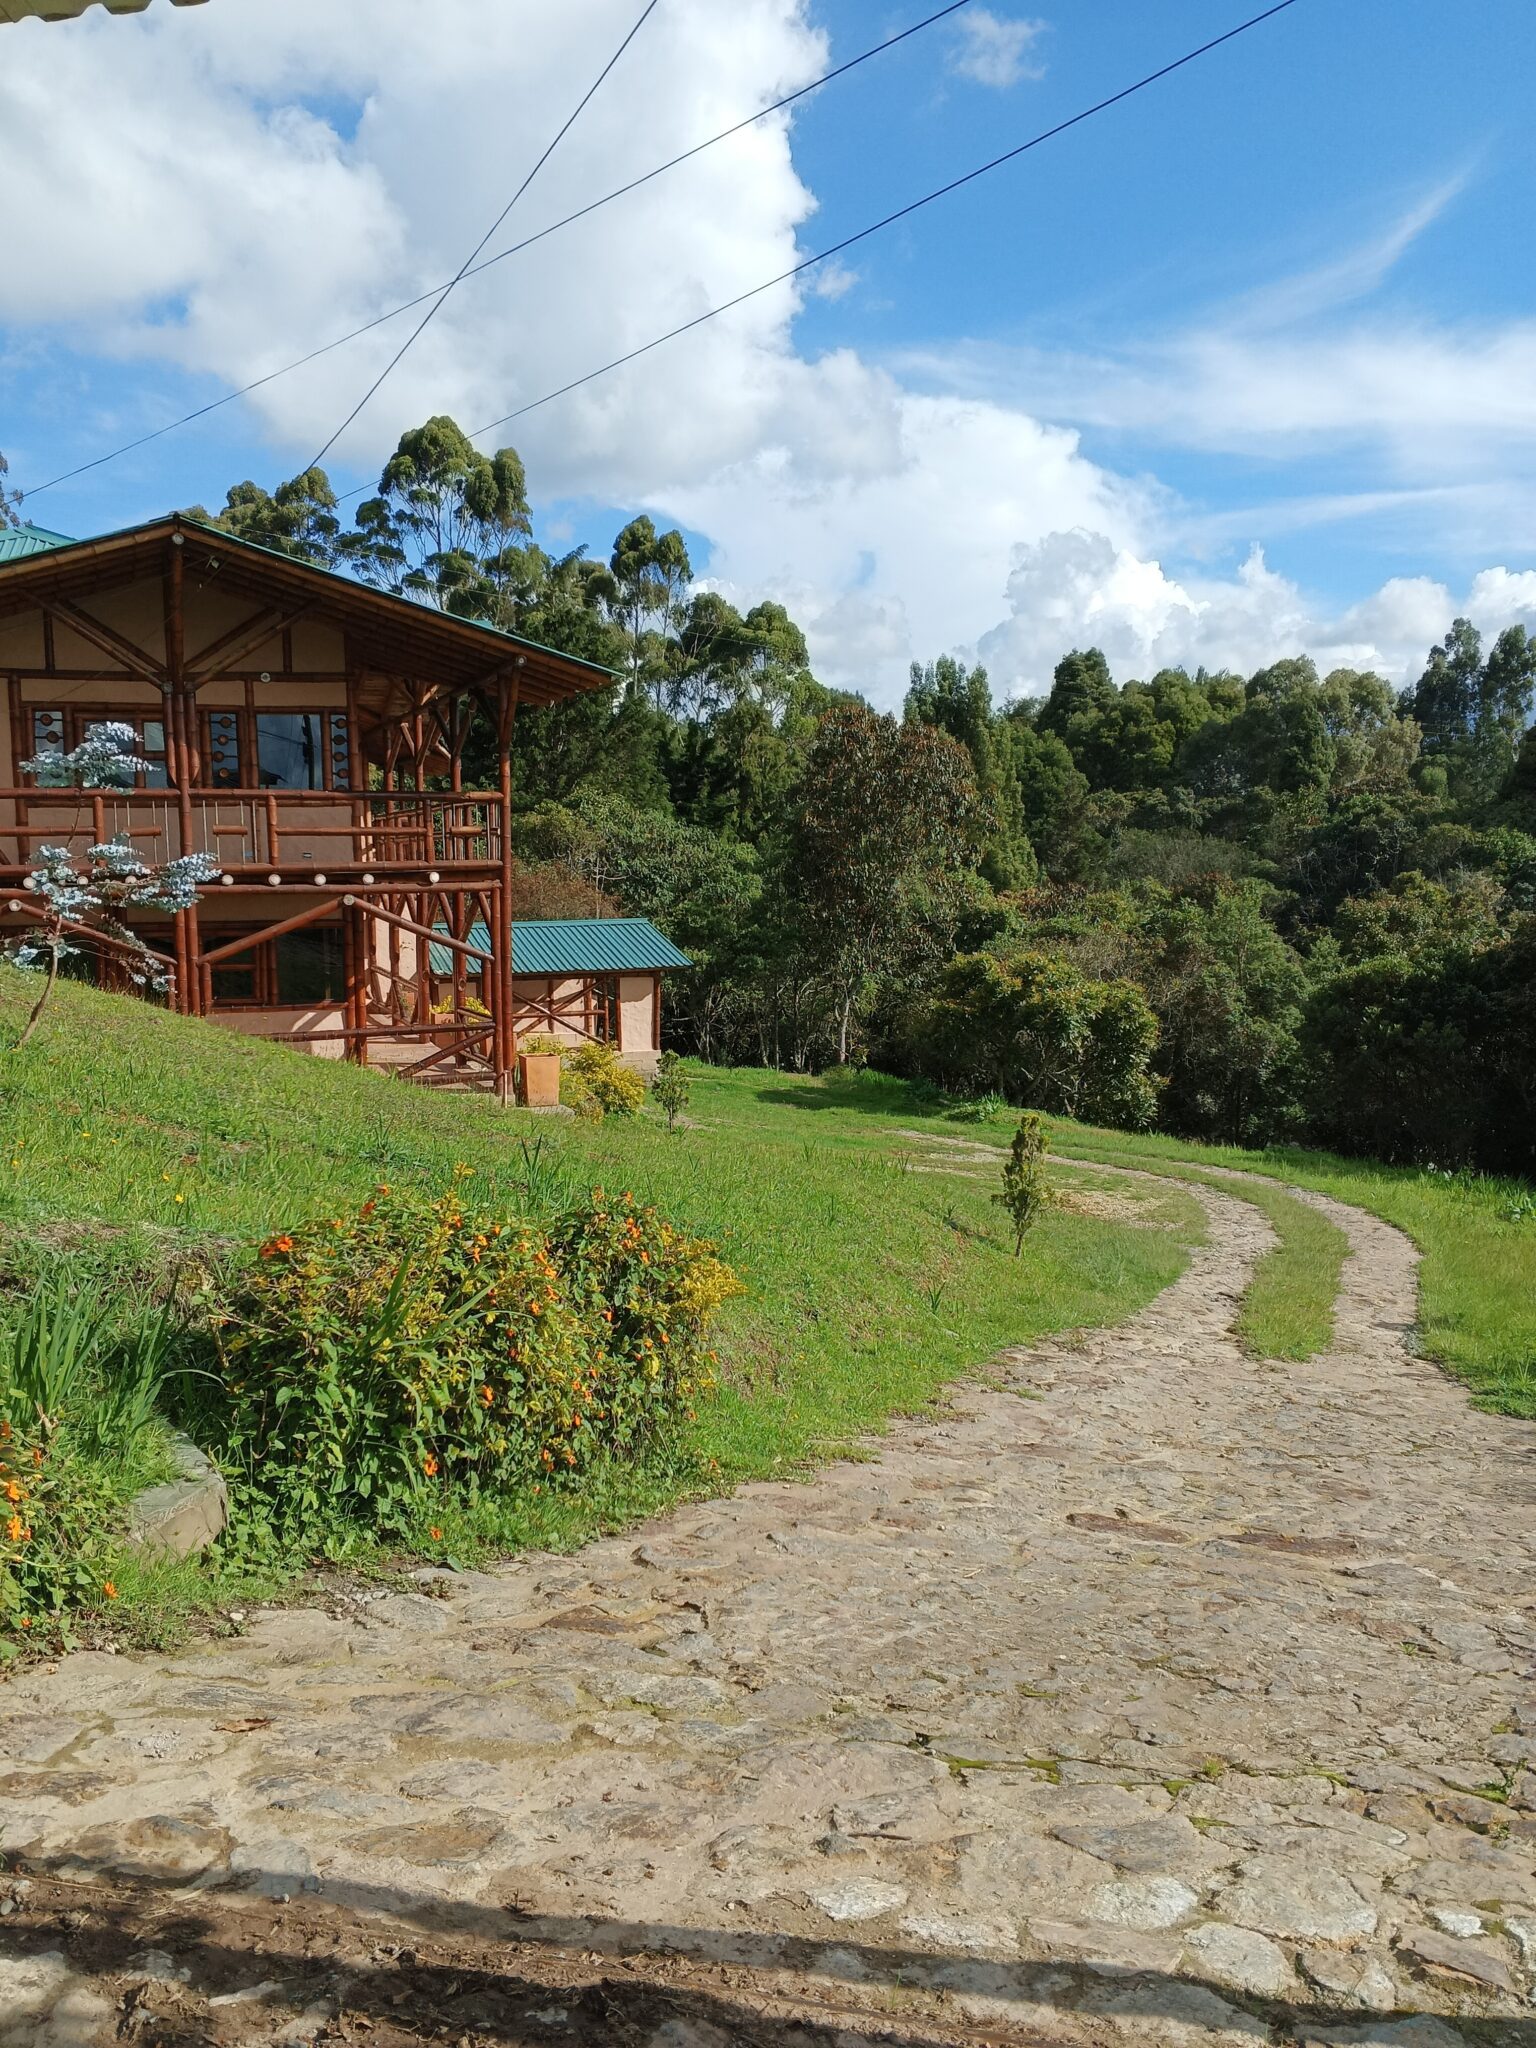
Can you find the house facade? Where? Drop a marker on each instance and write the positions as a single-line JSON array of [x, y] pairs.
[[308, 735]]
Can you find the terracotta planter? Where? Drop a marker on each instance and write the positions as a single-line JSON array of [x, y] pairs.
[[540, 1073]]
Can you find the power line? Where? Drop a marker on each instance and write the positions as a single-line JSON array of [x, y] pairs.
[[438, 304], [501, 256], [876, 227]]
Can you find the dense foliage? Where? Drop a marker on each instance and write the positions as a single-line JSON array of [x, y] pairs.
[[1288, 905], [374, 1366]]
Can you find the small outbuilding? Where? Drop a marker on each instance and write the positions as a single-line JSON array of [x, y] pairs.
[[582, 980]]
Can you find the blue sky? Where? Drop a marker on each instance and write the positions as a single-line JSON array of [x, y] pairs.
[[1278, 302]]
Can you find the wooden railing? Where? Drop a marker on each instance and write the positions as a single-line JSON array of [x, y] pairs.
[[261, 830]]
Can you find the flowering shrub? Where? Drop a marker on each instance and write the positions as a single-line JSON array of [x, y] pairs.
[[55, 1514], [374, 1361]]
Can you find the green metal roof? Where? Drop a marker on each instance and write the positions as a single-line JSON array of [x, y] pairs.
[[17, 541], [564, 946]]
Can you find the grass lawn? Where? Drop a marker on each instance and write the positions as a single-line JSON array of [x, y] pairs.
[[1477, 1281], [874, 1276]]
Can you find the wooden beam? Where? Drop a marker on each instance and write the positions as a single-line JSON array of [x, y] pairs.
[[422, 931], [222, 654], [109, 641], [272, 931]]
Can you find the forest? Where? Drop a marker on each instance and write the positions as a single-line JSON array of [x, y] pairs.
[[1284, 907]]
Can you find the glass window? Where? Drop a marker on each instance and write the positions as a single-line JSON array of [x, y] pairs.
[[152, 747], [223, 763], [309, 966], [289, 749], [234, 982], [47, 733]]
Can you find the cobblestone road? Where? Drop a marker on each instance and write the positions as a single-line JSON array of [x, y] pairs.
[[1152, 1695]]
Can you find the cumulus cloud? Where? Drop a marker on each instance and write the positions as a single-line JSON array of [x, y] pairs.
[[994, 49], [237, 184], [1078, 589]]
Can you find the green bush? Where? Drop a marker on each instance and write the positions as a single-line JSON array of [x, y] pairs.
[[670, 1087], [596, 1072], [370, 1366], [1026, 1188]]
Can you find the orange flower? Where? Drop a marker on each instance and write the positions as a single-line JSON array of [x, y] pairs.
[[109, 1589], [488, 1397], [13, 1492], [436, 1535], [367, 1208], [274, 1245], [429, 1466], [13, 1529], [37, 1458], [26, 1621]]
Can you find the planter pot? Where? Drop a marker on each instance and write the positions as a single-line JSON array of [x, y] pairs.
[[540, 1073]]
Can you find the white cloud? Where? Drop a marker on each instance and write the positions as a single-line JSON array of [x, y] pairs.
[[1077, 589], [994, 49], [233, 185]]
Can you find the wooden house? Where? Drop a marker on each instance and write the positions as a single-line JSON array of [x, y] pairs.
[[307, 733]]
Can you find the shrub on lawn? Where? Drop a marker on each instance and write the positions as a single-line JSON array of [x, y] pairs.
[[596, 1074], [370, 1364]]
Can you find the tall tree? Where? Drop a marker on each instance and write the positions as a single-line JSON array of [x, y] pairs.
[[884, 807], [444, 520], [299, 518], [651, 571], [9, 499]]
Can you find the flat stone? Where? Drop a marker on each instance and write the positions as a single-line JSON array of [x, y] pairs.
[[189, 1512], [274, 1869], [858, 1898], [37, 1738], [1163, 1843], [1147, 1903], [1296, 1900], [1457, 1920], [66, 1788], [948, 1932], [1445, 1952], [1239, 1959], [162, 1845], [417, 1612], [29, 1987], [1175, 2015], [669, 1692]]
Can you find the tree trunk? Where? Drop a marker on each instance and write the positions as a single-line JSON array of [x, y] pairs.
[[38, 1007]]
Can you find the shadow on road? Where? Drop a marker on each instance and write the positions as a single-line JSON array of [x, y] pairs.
[[360, 1962]]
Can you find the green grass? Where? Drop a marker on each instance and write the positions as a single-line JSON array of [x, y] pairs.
[[1477, 1279], [875, 1272], [1287, 1308]]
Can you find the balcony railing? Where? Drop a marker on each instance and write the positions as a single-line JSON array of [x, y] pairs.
[[262, 830]]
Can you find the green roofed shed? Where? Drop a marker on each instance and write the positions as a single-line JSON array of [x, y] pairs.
[[570, 946]]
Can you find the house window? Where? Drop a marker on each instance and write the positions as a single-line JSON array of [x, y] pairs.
[[47, 733], [310, 973], [302, 970], [290, 749]]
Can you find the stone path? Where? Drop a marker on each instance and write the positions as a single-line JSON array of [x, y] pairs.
[[1151, 1695]]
